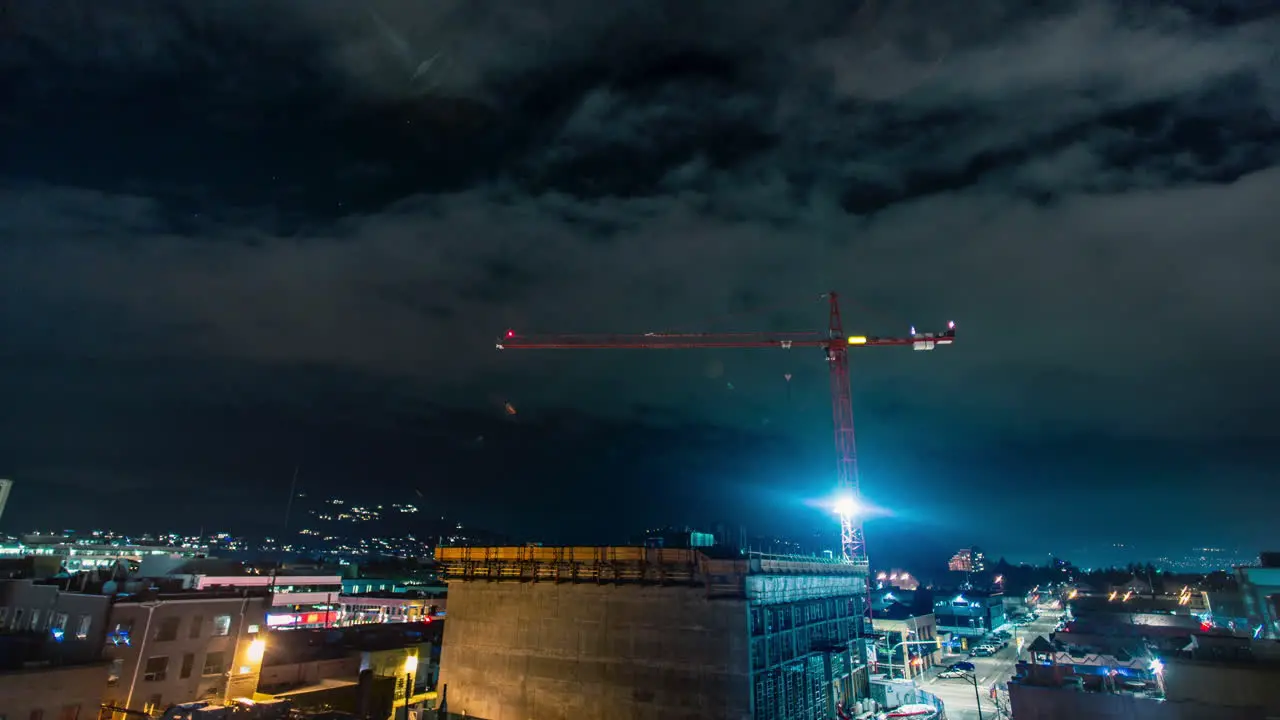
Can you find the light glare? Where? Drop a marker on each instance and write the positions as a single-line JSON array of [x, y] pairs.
[[847, 506]]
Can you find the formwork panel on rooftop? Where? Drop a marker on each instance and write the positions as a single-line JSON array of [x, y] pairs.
[[547, 651]]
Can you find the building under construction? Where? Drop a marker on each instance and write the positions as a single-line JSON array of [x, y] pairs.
[[543, 633]]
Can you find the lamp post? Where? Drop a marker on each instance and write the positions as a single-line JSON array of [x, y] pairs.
[[905, 660], [977, 697], [410, 667]]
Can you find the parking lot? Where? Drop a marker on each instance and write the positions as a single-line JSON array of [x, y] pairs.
[[958, 693]]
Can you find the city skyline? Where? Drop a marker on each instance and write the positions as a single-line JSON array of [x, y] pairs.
[[222, 265]]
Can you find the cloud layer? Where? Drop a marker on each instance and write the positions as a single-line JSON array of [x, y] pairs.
[[1089, 188]]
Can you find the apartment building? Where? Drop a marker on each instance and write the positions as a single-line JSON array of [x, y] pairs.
[[69, 625], [169, 648]]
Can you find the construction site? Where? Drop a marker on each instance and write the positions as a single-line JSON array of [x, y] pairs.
[[553, 633]]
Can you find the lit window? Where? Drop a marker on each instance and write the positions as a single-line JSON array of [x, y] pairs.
[[222, 625]]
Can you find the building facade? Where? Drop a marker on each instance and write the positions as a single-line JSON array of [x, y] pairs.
[[907, 643], [166, 649], [969, 614], [69, 626], [55, 692], [631, 632], [6, 487], [968, 560]]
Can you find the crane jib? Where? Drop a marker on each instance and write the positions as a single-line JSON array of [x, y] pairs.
[[835, 342]]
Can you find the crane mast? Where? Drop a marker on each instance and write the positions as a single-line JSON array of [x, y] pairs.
[[836, 345], [853, 545]]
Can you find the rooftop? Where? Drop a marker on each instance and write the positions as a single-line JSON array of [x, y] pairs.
[[163, 595], [757, 576]]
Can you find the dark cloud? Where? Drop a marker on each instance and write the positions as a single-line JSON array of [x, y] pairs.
[[378, 190]]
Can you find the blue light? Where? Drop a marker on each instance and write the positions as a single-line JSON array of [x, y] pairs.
[[57, 634]]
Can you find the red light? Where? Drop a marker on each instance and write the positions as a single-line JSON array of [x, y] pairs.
[[511, 333]]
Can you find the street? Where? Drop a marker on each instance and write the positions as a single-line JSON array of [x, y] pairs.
[[996, 670]]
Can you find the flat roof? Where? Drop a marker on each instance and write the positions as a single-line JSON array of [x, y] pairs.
[[626, 562]]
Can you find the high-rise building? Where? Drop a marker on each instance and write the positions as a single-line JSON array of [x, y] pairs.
[[5, 487], [968, 560]]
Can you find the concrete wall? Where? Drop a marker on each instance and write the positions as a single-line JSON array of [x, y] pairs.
[[1028, 702], [1223, 684], [277, 678], [542, 651], [56, 692]]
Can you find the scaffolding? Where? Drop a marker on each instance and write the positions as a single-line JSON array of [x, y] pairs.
[[806, 653]]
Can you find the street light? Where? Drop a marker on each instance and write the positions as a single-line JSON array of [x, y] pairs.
[[410, 667], [906, 659], [969, 672], [977, 697], [1157, 669]]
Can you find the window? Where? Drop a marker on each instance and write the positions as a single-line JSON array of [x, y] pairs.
[[35, 620], [113, 672], [168, 629], [82, 628], [188, 662], [154, 670], [222, 625], [152, 707], [120, 635], [214, 664], [196, 623], [18, 616], [69, 712], [4, 617]]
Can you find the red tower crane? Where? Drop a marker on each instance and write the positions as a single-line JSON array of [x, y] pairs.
[[833, 341]]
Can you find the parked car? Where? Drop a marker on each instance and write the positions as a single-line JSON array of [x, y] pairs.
[[951, 674]]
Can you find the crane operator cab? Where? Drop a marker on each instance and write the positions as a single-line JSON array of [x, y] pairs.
[[928, 341]]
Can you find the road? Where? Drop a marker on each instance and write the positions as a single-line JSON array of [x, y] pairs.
[[994, 670]]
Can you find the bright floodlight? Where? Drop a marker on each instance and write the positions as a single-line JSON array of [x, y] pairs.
[[847, 506]]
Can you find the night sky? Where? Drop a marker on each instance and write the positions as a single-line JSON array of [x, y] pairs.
[[239, 237]]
